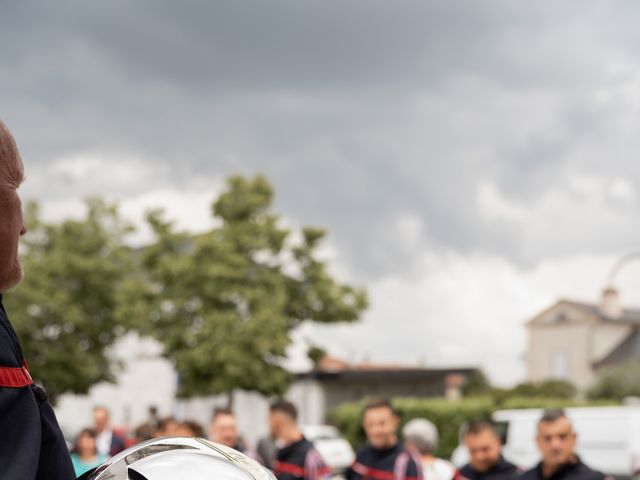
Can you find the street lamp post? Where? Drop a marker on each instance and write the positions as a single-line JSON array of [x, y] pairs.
[[618, 266]]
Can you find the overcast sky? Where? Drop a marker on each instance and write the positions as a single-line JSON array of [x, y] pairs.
[[472, 161]]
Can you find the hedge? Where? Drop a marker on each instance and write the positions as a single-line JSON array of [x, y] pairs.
[[448, 416]]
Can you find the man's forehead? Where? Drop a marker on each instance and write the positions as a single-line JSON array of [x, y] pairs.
[[485, 435], [381, 410], [224, 419], [562, 424]]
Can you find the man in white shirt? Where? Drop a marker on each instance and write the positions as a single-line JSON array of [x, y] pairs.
[[107, 441]]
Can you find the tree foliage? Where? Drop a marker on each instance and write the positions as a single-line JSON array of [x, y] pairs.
[[316, 354], [558, 389], [223, 303], [65, 309], [617, 382], [476, 384]]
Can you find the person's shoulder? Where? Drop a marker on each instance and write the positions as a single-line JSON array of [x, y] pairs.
[[412, 465], [9, 344], [459, 473], [443, 464], [464, 472], [443, 468], [584, 472], [513, 468], [363, 451], [312, 452], [306, 446], [531, 474]]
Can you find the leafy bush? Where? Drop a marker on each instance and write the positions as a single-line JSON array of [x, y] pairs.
[[558, 389], [617, 382]]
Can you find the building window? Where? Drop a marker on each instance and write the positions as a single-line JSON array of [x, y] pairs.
[[560, 365], [561, 317]]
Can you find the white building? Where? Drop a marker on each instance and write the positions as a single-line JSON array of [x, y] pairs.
[[573, 341]]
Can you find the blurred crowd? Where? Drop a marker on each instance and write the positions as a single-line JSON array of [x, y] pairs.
[[389, 454], [94, 445]]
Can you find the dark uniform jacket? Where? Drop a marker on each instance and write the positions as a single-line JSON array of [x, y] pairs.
[[393, 463], [503, 470], [300, 461], [31, 444], [571, 471]]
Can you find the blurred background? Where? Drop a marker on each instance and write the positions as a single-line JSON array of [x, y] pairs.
[[469, 170]]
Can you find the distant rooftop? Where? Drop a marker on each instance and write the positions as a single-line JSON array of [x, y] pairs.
[[627, 350], [627, 315], [332, 367]]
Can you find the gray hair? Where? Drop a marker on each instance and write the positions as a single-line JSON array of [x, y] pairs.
[[422, 434], [552, 416]]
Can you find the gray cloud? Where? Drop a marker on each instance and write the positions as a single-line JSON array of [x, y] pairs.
[[359, 112]]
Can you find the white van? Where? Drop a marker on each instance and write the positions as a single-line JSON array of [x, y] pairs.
[[608, 437]]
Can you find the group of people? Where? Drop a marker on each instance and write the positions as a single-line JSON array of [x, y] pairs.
[[94, 445], [556, 441], [385, 456], [284, 450]]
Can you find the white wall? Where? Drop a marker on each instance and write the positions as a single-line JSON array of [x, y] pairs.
[[309, 397], [148, 379]]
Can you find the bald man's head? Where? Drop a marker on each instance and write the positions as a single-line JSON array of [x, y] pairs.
[[11, 220], [11, 169]]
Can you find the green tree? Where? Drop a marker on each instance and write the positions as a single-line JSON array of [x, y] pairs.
[[65, 309], [316, 354], [223, 303], [476, 384], [617, 382]]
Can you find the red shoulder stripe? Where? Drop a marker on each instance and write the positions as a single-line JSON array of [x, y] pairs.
[[372, 473], [15, 377], [291, 468]]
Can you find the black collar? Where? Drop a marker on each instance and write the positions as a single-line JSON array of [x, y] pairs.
[[290, 447], [562, 470]]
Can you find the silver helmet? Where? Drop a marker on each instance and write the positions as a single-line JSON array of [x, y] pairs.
[[179, 458]]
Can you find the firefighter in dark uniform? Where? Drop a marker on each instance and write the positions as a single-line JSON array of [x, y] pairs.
[[296, 458], [557, 441], [486, 460], [383, 458], [31, 444]]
